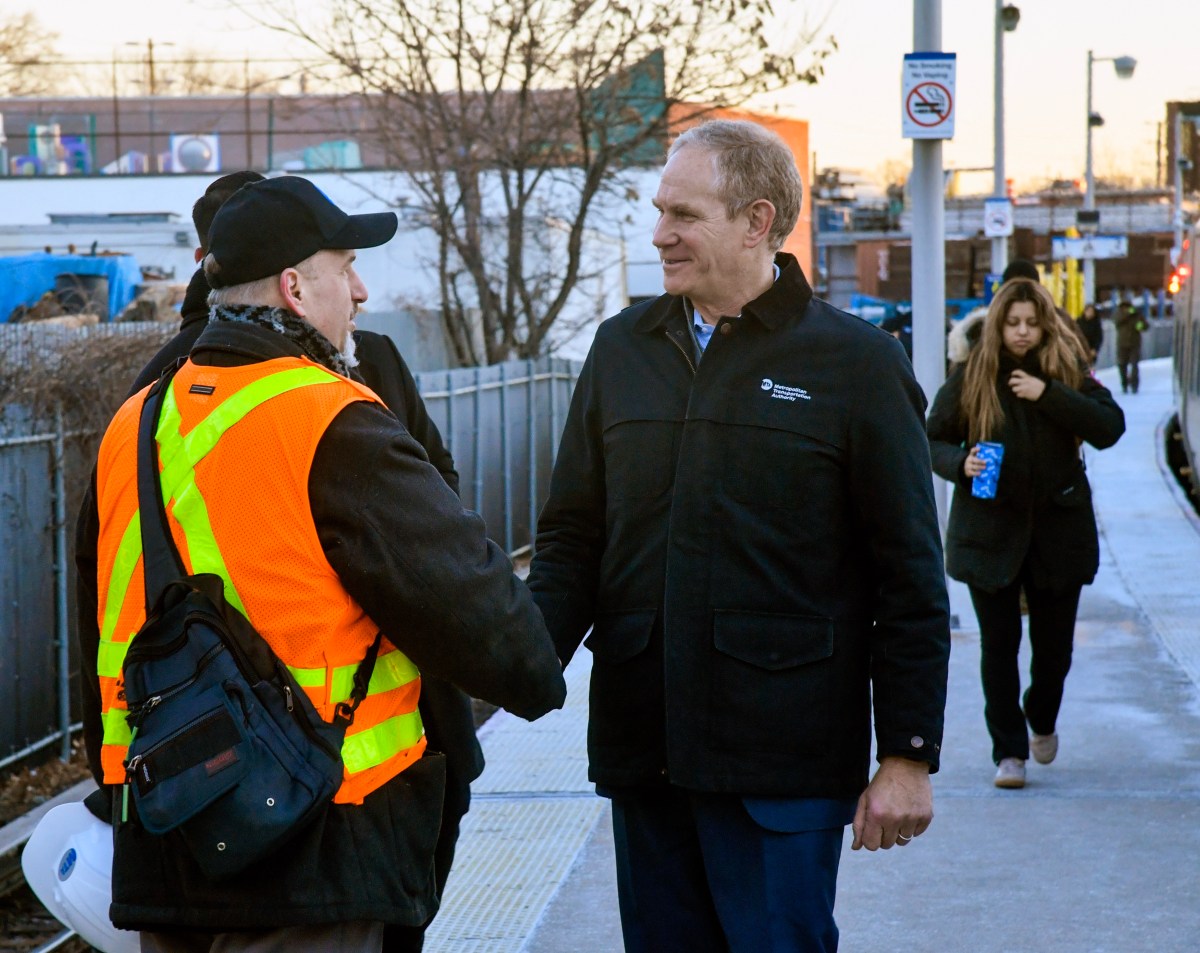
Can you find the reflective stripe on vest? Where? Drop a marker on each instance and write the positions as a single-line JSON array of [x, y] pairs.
[[367, 746]]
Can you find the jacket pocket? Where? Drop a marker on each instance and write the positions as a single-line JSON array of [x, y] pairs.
[[781, 469], [772, 681], [626, 692], [1076, 493], [772, 641], [619, 636]]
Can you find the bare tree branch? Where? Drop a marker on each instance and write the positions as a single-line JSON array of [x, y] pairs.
[[27, 57], [513, 118]]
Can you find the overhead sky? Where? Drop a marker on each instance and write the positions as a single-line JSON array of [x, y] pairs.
[[855, 111]]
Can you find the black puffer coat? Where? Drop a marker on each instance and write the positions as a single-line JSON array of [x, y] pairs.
[[1043, 503]]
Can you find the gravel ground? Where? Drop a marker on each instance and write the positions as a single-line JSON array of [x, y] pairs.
[[26, 788]]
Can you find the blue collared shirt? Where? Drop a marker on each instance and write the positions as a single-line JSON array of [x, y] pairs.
[[701, 329]]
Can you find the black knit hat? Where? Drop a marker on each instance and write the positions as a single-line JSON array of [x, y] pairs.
[[265, 227], [1021, 268]]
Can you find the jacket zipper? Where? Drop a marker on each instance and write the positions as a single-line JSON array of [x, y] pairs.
[[692, 365], [682, 350]]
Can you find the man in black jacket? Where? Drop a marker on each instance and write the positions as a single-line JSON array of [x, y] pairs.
[[742, 511], [445, 710]]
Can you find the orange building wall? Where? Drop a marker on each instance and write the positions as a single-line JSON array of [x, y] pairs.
[[795, 133]]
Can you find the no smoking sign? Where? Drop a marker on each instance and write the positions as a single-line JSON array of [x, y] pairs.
[[928, 96]]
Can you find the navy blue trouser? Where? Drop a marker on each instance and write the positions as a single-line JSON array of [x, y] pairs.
[[697, 874]]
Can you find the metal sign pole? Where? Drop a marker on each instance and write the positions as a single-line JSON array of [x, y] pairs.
[[928, 239]]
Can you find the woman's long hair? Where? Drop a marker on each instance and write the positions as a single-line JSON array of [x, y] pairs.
[[1059, 355]]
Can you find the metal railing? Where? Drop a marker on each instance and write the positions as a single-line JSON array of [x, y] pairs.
[[500, 423]]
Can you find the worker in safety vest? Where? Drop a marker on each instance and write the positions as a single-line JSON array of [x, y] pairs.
[[328, 525]]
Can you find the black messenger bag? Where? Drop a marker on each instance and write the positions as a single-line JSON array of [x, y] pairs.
[[226, 750]]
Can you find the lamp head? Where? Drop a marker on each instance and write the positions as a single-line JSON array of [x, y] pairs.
[[1010, 16], [1124, 66]]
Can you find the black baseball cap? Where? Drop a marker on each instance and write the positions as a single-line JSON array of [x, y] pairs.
[[267, 226]]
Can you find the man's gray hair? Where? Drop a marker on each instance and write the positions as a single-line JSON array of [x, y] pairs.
[[259, 291], [252, 292], [752, 163]]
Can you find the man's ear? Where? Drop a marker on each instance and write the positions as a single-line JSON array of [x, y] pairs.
[[199, 254], [760, 216], [291, 289]]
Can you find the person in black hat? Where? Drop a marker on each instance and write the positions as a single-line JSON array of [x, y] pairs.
[[445, 710], [390, 547], [1021, 268]]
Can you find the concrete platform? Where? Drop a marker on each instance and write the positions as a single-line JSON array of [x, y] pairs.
[[1098, 854]]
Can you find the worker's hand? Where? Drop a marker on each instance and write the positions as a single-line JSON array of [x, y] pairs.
[[974, 465], [1026, 386], [896, 806]]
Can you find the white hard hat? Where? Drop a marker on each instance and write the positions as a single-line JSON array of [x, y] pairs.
[[68, 864]]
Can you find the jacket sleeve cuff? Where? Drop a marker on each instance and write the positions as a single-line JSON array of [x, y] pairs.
[[916, 746]]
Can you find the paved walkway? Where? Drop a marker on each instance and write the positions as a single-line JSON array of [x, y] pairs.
[[1098, 854]]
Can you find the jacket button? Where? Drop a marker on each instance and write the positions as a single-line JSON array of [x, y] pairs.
[[917, 741], [727, 329]]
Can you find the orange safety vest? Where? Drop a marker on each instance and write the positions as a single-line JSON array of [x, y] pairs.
[[235, 448]]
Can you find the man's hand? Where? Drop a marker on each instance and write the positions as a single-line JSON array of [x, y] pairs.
[[1026, 386], [896, 806]]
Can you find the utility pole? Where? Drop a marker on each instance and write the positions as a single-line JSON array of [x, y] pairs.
[[151, 92], [928, 239], [999, 180], [928, 228]]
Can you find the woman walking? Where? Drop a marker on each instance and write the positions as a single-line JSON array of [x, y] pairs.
[[1024, 386]]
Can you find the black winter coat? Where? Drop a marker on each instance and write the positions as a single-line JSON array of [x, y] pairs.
[[422, 569], [1043, 503], [755, 542]]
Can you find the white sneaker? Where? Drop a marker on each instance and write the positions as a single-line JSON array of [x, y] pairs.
[[1011, 773], [1044, 747]]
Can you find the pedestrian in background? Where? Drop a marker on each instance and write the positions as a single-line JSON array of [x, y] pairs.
[[1093, 331], [1130, 325], [742, 514], [900, 326], [1024, 386]]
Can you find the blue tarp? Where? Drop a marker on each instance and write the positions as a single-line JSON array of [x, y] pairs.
[[25, 278]]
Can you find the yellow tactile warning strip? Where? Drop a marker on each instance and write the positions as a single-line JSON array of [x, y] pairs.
[[531, 813]]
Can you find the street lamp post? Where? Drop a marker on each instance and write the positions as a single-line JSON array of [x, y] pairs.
[[1007, 17], [1124, 65]]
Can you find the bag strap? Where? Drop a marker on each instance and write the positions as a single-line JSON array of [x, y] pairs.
[[160, 556], [344, 711]]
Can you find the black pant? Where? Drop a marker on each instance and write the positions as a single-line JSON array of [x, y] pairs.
[[1051, 637], [1128, 356]]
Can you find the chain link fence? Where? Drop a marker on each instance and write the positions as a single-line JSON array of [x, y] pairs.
[[501, 424]]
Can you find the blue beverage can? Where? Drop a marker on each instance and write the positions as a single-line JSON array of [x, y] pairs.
[[984, 485]]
